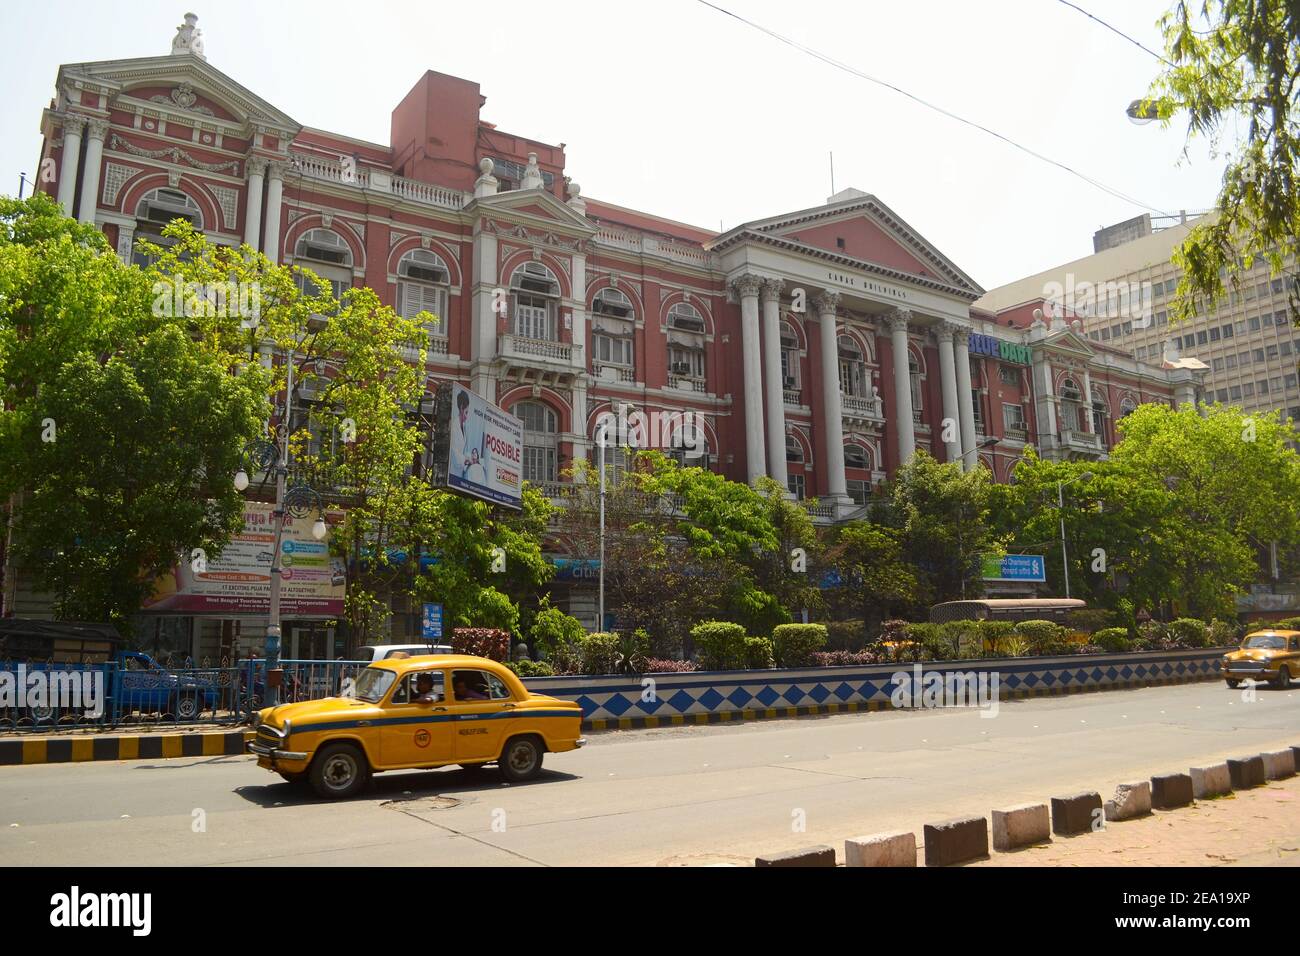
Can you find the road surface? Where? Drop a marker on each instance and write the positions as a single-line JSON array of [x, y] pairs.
[[684, 795]]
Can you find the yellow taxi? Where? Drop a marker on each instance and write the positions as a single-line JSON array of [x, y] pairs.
[[1269, 655], [416, 713]]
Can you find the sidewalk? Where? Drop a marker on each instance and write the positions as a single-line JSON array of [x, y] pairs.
[[1259, 827]]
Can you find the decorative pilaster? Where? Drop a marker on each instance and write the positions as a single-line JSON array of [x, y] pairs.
[[965, 397], [950, 430], [825, 304], [771, 299], [746, 288], [73, 126], [253, 212], [274, 200], [96, 131], [903, 425], [1089, 427]]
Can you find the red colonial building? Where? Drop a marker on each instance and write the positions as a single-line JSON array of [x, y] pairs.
[[820, 347]]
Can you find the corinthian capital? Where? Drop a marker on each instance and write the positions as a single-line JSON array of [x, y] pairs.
[[73, 123], [899, 319], [746, 285], [826, 302], [256, 166], [945, 331], [276, 168], [772, 289], [97, 128]]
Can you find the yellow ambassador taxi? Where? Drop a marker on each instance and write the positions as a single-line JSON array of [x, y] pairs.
[[1269, 655], [416, 713]]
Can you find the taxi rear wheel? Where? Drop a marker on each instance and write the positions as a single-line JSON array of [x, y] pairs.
[[339, 770], [521, 759]]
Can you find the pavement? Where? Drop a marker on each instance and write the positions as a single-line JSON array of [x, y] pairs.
[[689, 795]]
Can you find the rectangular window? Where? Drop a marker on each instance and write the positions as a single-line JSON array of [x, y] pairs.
[[1221, 395], [1271, 351], [687, 362], [1218, 365], [612, 349], [1291, 382], [1013, 417], [1286, 348], [1248, 390], [795, 483], [1259, 355], [1275, 384], [1267, 319], [1235, 392], [1008, 375], [1201, 338], [1214, 335], [1105, 335], [858, 490], [1261, 386], [1254, 324], [539, 463], [1231, 361], [533, 317]]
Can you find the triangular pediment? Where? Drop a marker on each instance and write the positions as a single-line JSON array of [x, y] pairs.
[[216, 97], [535, 207], [1067, 341], [859, 226]]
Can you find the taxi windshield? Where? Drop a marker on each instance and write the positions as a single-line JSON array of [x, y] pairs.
[[373, 684], [1271, 642]]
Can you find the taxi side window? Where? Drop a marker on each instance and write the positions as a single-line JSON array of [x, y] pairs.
[[1295, 643], [412, 688], [478, 685]]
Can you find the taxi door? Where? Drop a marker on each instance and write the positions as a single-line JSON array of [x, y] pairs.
[[415, 729], [481, 708]]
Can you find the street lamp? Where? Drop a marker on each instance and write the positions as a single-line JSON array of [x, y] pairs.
[[987, 442], [1142, 112], [601, 441], [1060, 507]]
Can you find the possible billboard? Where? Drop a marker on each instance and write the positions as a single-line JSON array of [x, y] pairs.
[[1013, 567], [478, 448]]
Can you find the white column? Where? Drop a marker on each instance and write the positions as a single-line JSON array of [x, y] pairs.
[[903, 424], [1087, 403], [253, 212], [125, 241], [965, 400], [72, 127], [483, 336], [950, 427], [1044, 401], [771, 298], [274, 199], [96, 130], [746, 288], [832, 408]]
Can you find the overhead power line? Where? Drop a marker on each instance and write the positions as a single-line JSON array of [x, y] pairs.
[[839, 65], [1115, 30]]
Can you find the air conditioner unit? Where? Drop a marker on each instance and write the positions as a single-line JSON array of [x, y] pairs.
[[789, 382], [681, 368], [165, 212]]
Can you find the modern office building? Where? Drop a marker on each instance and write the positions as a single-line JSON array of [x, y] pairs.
[[1123, 292]]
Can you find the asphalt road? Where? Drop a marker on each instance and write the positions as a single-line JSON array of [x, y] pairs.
[[698, 795]]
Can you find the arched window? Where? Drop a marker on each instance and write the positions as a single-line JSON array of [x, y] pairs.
[[690, 444], [422, 285], [1127, 406], [1100, 411], [789, 357], [686, 318], [686, 346], [325, 253], [793, 450], [540, 441], [853, 370], [536, 295], [1072, 411], [794, 479], [613, 327], [156, 209]]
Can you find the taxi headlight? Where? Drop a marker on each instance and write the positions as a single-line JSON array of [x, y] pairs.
[[284, 729], [257, 719]]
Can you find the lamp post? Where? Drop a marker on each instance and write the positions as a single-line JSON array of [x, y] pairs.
[[1060, 508], [987, 442], [297, 502], [601, 441]]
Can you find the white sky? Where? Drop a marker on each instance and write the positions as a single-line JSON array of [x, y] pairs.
[[672, 108]]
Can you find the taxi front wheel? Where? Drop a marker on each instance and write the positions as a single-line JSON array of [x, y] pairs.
[[521, 759], [339, 770], [1283, 678]]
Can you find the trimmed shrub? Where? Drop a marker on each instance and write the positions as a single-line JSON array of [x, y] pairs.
[[553, 630], [844, 658], [759, 653], [845, 635], [1223, 634], [1112, 639], [795, 644], [964, 639], [598, 653], [1287, 624], [531, 668], [1189, 632], [1044, 637], [994, 635], [489, 642], [720, 645], [659, 665]]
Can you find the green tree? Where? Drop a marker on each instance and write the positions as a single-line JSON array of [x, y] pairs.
[[874, 581], [1231, 72], [120, 427]]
